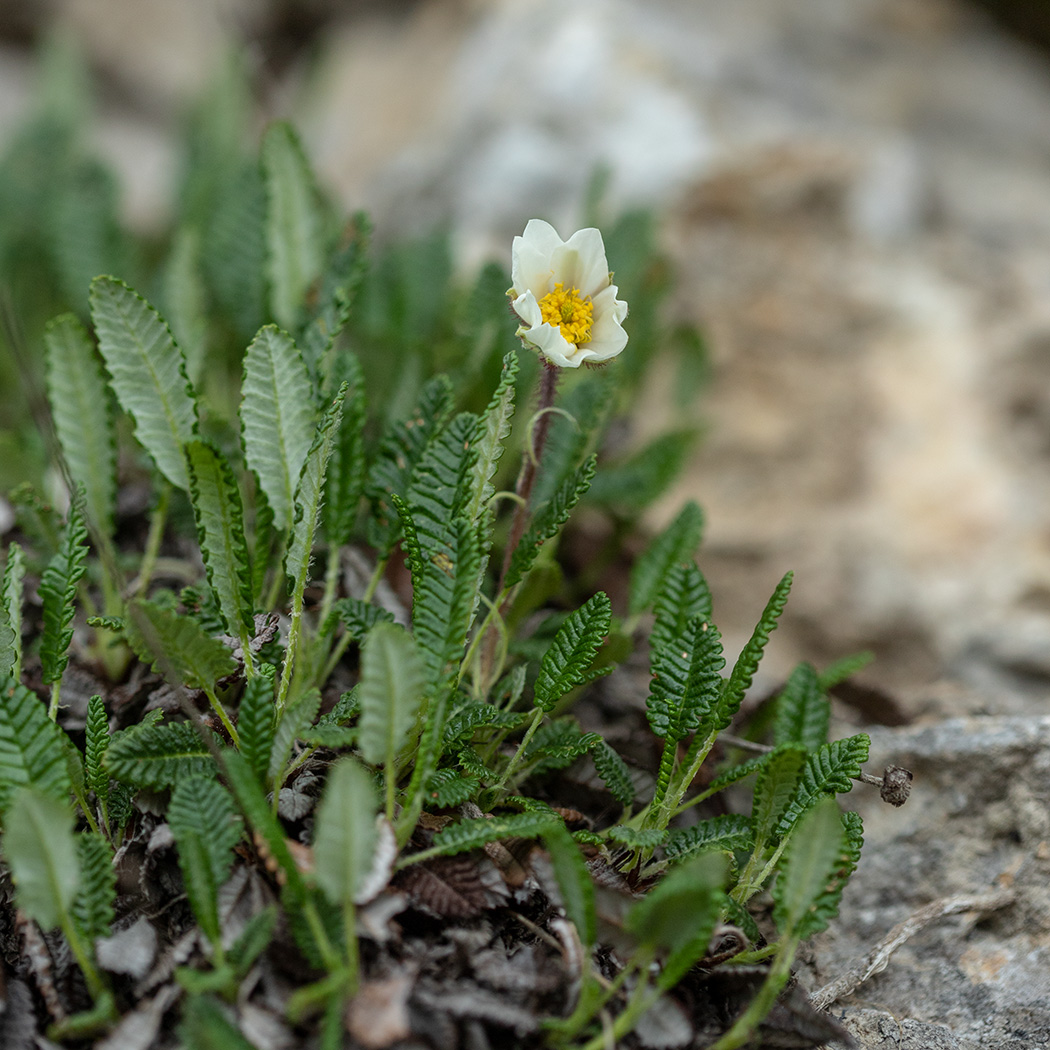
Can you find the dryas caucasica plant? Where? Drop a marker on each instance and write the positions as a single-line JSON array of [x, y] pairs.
[[453, 700]]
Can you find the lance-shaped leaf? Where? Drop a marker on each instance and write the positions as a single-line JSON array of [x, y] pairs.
[[58, 589], [308, 494], [613, 770], [204, 1026], [674, 546], [96, 740], [255, 721], [774, 789], [185, 300], [93, 906], [829, 770], [11, 610], [495, 427], [347, 470], [149, 755], [345, 831], [803, 711], [446, 788], [549, 519], [206, 827], [177, 646], [638, 482], [32, 750], [295, 720], [80, 407], [574, 881], [809, 865], [472, 834], [826, 905], [390, 693], [277, 418], [686, 682], [743, 672], [294, 223], [220, 529], [567, 662], [148, 373], [684, 596], [41, 852], [728, 832]]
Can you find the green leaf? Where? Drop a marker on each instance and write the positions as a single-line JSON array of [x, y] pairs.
[[686, 683], [470, 717], [96, 741], [148, 373], [730, 832], [737, 772], [614, 772], [204, 1026], [473, 834], [494, 429], [574, 881], [41, 852], [673, 547], [828, 771], [269, 831], [149, 755], [220, 529], [638, 482], [185, 300], [345, 479], [390, 694], [58, 589], [80, 407], [743, 672], [11, 610], [255, 721], [845, 668], [810, 862], [803, 711], [445, 602], [679, 914], [32, 752], [360, 617], [294, 223], [637, 838], [177, 646], [297, 718], [684, 596], [438, 486], [277, 418], [549, 519], [339, 286], [93, 905], [558, 744], [568, 660], [206, 827], [308, 494], [345, 831], [446, 788], [774, 789], [826, 905]]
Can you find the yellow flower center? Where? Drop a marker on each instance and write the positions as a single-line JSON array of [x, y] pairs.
[[569, 311]]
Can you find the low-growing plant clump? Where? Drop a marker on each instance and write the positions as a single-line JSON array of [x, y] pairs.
[[309, 736]]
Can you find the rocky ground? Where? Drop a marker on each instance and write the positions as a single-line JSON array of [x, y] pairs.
[[857, 197]]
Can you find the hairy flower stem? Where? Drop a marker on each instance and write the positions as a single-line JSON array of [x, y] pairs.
[[523, 491]]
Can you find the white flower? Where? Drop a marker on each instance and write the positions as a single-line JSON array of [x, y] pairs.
[[564, 295]]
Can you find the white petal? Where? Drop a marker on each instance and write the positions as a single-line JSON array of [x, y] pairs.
[[531, 266], [528, 309], [607, 335], [553, 345], [591, 268]]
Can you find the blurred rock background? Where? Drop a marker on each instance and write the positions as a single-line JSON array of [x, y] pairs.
[[856, 196]]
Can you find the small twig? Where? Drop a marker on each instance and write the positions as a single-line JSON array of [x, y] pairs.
[[894, 785], [878, 958]]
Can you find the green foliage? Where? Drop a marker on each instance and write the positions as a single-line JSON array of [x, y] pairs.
[[148, 373], [58, 590], [637, 838], [293, 722], [686, 683], [345, 831], [92, 909], [447, 788], [638, 482], [206, 828], [359, 617], [11, 612], [277, 418], [494, 430], [256, 721], [574, 881], [177, 646], [568, 661], [803, 712], [220, 529], [80, 407], [294, 237], [150, 755], [774, 789], [613, 770], [390, 693], [204, 1026], [729, 832], [347, 467], [673, 547], [828, 770], [32, 752], [473, 834], [40, 850], [96, 733]]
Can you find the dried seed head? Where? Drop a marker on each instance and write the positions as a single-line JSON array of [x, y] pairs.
[[896, 785]]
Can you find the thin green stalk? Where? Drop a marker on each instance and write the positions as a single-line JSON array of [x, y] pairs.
[[588, 1006], [525, 741], [52, 707], [766, 996], [158, 519], [96, 985], [663, 779], [292, 650], [377, 576], [640, 1000], [350, 935], [743, 891], [331, 582], [217, 707]]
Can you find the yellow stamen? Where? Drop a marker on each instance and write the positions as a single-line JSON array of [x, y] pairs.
[[569, 311]]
